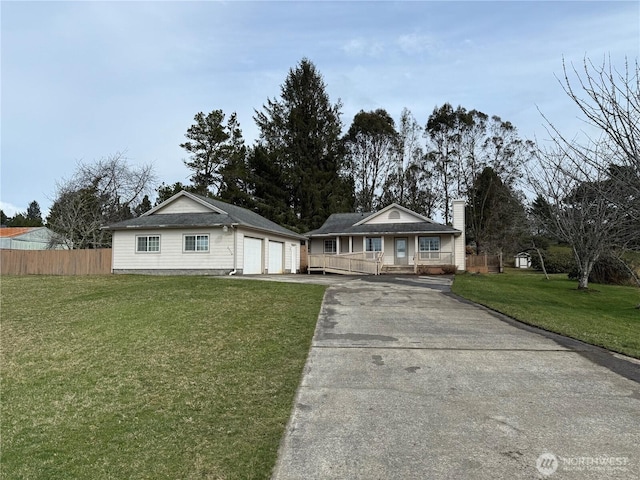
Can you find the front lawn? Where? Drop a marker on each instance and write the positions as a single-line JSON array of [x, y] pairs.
[[605, 315], [149, 377]]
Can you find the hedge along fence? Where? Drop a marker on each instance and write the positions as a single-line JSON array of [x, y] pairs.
[[55, 262]]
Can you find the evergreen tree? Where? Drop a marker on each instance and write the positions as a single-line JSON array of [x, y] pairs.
[[410, 183], [165, 192], [34, 214], [31, 218], [461, 143], [495, 215], [300, 134], [213, 147], [143, 207], [443, 134], [372, 146], [234, 173], [270, 191]]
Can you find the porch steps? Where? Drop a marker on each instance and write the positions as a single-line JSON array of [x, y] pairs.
[[397, 270]]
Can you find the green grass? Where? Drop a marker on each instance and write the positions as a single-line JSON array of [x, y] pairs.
[[605, 315], [149, 377]]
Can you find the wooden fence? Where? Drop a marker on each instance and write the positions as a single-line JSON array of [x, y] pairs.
[[55, 262], [484, 263]]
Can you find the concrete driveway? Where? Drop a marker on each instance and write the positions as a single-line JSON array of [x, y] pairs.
[[406, 381]]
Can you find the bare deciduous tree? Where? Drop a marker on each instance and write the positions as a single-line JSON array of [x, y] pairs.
[[580, 212], [105, 191], [593, 184]]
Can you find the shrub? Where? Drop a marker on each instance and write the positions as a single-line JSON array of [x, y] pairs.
[[436, 269], [449, 269], [608, 270], [557, 259]]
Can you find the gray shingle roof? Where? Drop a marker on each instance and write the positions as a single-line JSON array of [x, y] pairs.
[[234, 216], [344, 223]]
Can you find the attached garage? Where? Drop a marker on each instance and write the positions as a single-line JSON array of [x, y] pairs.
[[192, 234], [276, 257], [252, 256]]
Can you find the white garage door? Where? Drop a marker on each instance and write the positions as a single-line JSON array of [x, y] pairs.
[[276, 250], [252, 256]]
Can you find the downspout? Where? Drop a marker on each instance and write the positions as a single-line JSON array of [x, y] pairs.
[[235, 252]]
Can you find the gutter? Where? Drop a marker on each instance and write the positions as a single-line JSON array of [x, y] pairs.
[[235, 251]]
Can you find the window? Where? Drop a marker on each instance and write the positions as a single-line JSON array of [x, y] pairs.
[[330, 246], [374, 244], [148, 243], [196, 243], [429, 247]]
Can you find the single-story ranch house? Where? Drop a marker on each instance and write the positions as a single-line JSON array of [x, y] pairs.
[[192, 234], [396, 238]]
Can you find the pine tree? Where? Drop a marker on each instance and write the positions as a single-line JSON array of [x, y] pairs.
[[34, 214], [300, 133], [234, 174]]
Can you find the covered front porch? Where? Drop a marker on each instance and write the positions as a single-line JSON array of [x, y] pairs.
[[374, 255]]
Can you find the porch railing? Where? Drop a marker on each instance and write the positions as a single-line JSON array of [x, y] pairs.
[[433, 258], [368, 263]]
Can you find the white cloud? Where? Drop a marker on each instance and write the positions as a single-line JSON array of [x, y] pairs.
[[414, 43], [363, 47], [9, 209]]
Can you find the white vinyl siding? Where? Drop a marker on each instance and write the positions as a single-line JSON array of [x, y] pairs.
[[394, 215], [184, 205], [220, 256], [172, 254]]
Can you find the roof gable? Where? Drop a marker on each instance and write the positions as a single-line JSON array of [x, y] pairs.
[[184, 202], [394, 213], [187, 210], [402, 222]]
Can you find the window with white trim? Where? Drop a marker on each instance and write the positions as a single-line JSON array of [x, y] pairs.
[[196, 243], [330, 246], [148, 243], [429, 247], [373, 244]]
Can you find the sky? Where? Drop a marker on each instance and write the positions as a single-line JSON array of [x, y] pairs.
[[85, 80]]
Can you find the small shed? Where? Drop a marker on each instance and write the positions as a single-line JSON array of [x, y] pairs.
[[523, 260]]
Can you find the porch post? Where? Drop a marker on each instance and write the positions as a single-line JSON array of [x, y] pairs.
[[454, 260], [337, 245], [350, 244]]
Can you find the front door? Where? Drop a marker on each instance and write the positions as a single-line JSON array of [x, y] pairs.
[[401, 257]]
